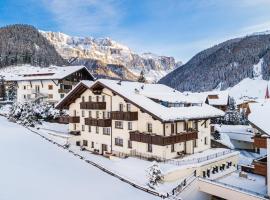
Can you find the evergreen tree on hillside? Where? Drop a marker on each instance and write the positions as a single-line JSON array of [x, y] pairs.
[[141, 77]]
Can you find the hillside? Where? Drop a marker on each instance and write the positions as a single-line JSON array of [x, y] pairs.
[[108, 58], [24, 44], [224, 65]]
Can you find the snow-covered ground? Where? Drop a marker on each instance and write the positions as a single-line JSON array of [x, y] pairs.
[[32, 168]]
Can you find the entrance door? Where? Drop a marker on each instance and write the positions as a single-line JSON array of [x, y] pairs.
[[104, 148]]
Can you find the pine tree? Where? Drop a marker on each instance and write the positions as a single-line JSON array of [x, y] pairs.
[[154, 175], [141, 77]]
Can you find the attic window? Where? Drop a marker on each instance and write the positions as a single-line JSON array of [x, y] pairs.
[[212, 96]]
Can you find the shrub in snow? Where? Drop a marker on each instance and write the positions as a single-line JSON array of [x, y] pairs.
[[29, 113], [154, 175]]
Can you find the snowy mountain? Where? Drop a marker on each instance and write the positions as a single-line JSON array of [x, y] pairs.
[[224, 65], [109, 58]]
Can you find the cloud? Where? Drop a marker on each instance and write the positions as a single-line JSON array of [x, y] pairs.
[[84, 16]]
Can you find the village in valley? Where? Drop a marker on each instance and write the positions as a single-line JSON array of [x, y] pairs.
[[149, 137]]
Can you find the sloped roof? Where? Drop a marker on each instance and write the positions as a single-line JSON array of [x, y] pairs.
[[137, 93], [28, 72], [259, 116]]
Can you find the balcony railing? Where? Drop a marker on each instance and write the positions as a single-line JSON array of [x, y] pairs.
[[127, 116], [63, 90], [74, 119], [93, 105], [75, 132], [162, 140], [98, 122]]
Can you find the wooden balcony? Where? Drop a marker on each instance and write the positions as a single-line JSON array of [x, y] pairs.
[[93, 105], [74, 119], [260, 166], [260, 142], [75, 132], [63, 90], [98, 122], [127, 116], [162, 140]]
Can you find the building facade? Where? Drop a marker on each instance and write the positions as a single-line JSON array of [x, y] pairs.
[[109, 119]]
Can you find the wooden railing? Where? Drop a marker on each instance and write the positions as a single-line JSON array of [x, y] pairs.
[[74, 119], [63, 90], [260, 166], [93, 105], [127, 116], [162, 140], [98, 122]]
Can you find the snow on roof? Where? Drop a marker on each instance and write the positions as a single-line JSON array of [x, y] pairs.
[[259, 115], [28, 72], [137, 93], [236, 132]]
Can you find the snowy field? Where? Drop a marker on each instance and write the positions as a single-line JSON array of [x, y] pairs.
[[32, 169]]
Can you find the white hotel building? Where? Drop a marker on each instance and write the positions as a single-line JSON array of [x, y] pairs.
[[131, 118]]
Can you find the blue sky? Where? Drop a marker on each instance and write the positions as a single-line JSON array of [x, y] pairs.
[[179, 28]]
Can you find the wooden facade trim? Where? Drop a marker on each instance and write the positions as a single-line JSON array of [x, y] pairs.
[[162, 140], [93, 105], [260, 142]]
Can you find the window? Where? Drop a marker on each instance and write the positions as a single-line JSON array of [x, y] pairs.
[[89, 128], [92, 145], [74, 113], [62, 96], [121, 106], [82, 113], [119, 124], [205, 140], [97, 129], [149, 128], [104, 115], [78, 143], [128, 107], [74, 127], [185, 125], [83, 127], [50, 87], [97, 114], [89, 114], [172, 148], [24, 96], [103, 98], [108, 115], [24, 87], [106, 131], [83, 100], [97, 98], [129, 144], [149, 148], [172, 128], [85, 143], [129, 125], [90, 98], [50, 96], [118, 142], [195, 143]]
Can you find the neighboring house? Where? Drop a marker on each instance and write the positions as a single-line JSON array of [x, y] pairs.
[[243, 106], [43, 84], [259, 120], [218, 99], [131, 118]]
